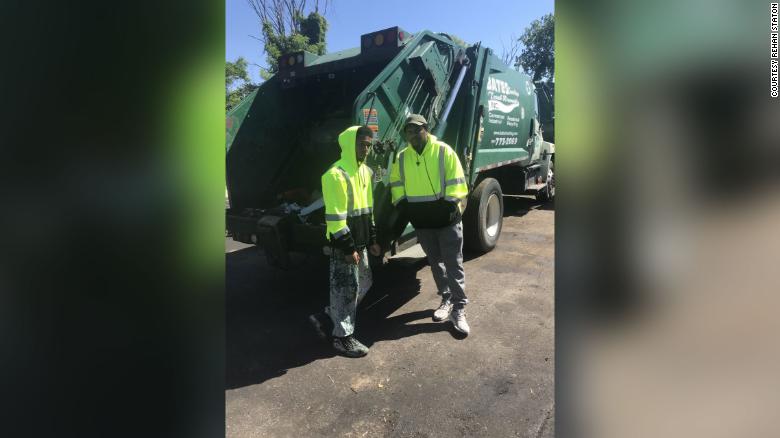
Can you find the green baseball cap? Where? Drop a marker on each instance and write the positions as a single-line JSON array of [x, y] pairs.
[[416, 119]]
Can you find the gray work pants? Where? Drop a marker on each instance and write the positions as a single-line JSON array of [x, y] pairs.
[[444, 248], [348, 285]]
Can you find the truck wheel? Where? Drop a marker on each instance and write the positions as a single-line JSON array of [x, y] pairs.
[[548, 192], [484, 216]]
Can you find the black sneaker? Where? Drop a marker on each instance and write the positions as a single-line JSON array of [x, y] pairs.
[[322, 324], [349, 346]]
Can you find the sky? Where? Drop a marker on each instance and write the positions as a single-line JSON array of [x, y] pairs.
[[493, 22]]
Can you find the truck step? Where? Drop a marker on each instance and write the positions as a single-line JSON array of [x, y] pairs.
[[535, 187]]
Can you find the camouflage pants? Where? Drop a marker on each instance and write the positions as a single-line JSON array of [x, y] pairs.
[[348, 285]]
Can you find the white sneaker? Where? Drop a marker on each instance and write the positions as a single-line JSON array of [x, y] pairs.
[[458, 318], [443, 311]]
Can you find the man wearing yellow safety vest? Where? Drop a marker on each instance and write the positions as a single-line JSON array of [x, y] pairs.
[[428, 186], [349, 204]]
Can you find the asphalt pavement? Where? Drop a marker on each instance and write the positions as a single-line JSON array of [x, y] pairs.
[[421, 378]]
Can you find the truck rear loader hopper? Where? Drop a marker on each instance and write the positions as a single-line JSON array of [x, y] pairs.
[[282, 137]]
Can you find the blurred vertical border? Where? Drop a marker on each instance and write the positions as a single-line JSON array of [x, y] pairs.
[[666, 219], [112, 261]]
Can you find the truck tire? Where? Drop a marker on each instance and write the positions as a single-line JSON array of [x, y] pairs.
[[548, 192], [484, 216]]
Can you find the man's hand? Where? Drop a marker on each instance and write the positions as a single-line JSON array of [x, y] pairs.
[[353, 258], [375, 250]]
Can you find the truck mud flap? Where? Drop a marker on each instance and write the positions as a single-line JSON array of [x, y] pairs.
[[271, 236]]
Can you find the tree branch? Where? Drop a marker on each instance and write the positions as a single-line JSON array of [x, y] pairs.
[[509, 56], [261, 39]]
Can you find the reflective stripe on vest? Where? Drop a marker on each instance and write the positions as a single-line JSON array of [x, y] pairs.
[[401, 169], [335, 217], [341, 232], [455, 181], [424, 198], [350, 200], [442, 175]]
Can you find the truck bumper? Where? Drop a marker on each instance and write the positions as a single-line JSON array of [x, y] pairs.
[[277, 235]]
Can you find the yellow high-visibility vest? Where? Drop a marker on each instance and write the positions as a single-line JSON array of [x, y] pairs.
[[426, 177], [346, 188]]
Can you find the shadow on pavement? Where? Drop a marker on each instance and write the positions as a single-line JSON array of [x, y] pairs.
[[548, 206], [267, 311], [398, 327], [519, 206], [373, 322]]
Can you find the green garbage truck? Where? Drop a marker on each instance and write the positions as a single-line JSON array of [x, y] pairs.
[[282, 137]]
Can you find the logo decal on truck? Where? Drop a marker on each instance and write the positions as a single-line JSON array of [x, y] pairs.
[[501, 87], [495, 105], [502, 101]]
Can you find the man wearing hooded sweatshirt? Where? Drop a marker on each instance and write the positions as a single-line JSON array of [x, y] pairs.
[[428, 186], [349, 204]]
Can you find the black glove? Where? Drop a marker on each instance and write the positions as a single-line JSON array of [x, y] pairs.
[[345, 243], [452, 210]]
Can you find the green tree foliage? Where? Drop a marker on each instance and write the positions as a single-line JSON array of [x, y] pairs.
[[310, 37], [286, 28], [538, 55], [236, 71], [237, 82]]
